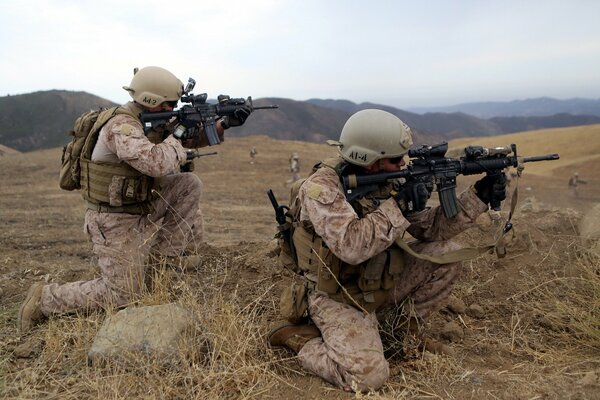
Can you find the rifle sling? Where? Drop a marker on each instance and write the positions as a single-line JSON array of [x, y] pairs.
[[466, 253], [469, 253], [500, 248]]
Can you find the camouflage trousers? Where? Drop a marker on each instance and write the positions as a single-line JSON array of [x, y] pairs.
[[122, 242], [349, 352]]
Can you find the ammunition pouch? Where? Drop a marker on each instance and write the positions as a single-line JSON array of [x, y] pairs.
[[116, 187], [293, 304], [364, 286], [328, 268]]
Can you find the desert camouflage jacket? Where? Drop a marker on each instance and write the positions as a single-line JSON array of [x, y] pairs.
[[355, 240], [123, 139]]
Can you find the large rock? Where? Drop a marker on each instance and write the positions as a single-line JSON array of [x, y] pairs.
[[162, 333]]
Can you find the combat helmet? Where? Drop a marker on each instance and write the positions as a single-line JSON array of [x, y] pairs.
[[370, 135], [152, 86]]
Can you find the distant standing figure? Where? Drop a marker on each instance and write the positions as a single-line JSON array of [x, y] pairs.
[[574, 181], [294, 168], [253, 154]]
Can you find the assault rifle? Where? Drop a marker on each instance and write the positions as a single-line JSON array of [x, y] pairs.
[[189, 156], [199, 113], [429, 165]]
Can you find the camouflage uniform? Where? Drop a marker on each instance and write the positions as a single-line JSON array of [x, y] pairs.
[[574, 181], [294, 169], [350, 353], [122, 241]]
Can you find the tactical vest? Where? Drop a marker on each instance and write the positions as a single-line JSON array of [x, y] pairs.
[[365, 286], [114, 187]]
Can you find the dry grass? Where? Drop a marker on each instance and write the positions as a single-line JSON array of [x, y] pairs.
[[538, 338], [237, 365]]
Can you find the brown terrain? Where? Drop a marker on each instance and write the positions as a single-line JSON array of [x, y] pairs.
[[531, 328]]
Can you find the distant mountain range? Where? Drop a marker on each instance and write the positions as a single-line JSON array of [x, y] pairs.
[[538, 107], [42, 119]]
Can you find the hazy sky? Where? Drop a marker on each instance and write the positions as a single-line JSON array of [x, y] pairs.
[[401, 53]]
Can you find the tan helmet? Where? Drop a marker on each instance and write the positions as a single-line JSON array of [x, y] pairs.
[[152, 86], [370, 135]]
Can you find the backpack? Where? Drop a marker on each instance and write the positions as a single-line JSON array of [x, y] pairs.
[[85, 134]]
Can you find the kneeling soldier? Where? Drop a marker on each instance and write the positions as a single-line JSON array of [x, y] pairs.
[[347, 263]]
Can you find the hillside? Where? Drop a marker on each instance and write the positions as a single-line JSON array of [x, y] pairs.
[[449, 123], [40, 120], [538, 107], [519, 124], [293, 120], [431, 126], [577, 146], [5, 150]]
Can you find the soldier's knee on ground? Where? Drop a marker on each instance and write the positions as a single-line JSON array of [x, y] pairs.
[[372, 375]]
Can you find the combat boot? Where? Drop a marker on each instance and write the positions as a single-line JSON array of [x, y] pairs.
[[293, 337], [30, 313]]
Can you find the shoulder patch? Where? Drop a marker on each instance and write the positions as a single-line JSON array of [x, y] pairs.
[[126, 129], [314, 190]]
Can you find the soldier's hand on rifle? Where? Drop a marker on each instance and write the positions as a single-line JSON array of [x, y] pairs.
[[186, 129], [491, 188], [187, 166], [238, 116], [412, 197]]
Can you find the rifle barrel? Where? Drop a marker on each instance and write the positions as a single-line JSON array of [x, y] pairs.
[[547, 157], [265, 107], [191, 154]]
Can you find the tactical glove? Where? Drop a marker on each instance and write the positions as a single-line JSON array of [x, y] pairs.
[[237, 117], [491, 189], [412, 197], [187, 128], [183, 133], [187, 166]]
